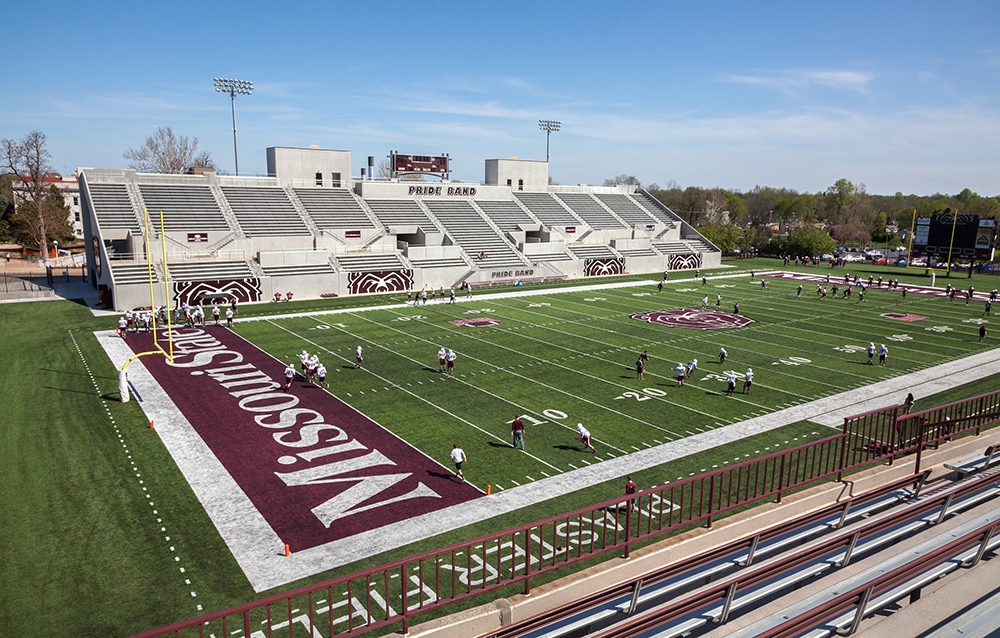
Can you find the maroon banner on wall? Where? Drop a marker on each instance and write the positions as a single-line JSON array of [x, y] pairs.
[[379, 281], [603, 266], [193, 293], [684, 262]]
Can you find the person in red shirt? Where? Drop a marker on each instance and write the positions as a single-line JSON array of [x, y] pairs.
[[630, 488], [517, 431]]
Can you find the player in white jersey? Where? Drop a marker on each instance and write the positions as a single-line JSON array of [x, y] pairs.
[[289, 376], [451, 356], [229, 318], [304, 360], [216, 314], [692, 366], [358, 359], [747, 381], [585, 437], [442, 359], [883, 353], [122, 327], [321, 375], [730, 383]]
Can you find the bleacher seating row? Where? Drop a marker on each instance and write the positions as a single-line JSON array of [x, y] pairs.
[[333, 208], [474, 234], [229, 223], [710, 589], [370, 262], [270, 211], [264, 211], [187, 208]]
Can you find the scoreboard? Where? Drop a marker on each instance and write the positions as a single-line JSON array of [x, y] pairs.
[[434, 164], [974, 237]]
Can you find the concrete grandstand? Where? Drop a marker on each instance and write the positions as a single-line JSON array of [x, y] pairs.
[[307, 231]]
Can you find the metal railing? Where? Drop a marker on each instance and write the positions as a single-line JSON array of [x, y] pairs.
[[393, 594]]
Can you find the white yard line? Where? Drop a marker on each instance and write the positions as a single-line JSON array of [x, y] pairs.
[[257, 548]]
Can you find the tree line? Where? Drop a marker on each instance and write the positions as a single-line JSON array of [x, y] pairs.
[[783, 220]]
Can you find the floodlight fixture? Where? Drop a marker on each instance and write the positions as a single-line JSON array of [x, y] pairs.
[[233, 86], [548, 126]]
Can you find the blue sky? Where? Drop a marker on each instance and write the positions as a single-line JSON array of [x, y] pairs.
[[900, 96]]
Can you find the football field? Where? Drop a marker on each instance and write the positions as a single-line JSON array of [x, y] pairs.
[[556, 359], [567, 357], [91, 490]]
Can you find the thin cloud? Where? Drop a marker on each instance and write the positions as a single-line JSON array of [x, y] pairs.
[[800, 79]]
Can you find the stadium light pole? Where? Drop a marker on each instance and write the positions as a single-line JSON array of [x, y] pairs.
[[232, 87], [548, 126]]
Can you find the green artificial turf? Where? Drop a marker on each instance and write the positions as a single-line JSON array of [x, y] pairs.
[[84, 550]]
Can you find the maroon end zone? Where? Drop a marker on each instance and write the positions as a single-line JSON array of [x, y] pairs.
[[315, 468]]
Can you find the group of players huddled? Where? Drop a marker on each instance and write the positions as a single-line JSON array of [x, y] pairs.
[[312, 370], [146, 320]]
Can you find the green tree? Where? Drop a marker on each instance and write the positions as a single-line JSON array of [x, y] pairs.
[[806, 240], [23, 226], [737, 208], [842, 196], [726, 237], [36, 211]]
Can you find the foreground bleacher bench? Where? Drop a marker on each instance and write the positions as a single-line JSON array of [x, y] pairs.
[[974, 462]]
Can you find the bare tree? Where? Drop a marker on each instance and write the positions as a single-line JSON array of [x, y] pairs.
[[629, 180], [384, 169], [164, 152], [28, 160]]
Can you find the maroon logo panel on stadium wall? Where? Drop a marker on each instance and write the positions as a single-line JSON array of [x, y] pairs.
[[603, 266], [379, 281]]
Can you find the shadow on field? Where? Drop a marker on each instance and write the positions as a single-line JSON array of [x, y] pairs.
[[568, 448], [495, 444], [50, 387], [442, 475]]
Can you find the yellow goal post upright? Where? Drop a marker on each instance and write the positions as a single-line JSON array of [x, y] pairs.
[[123, 391]]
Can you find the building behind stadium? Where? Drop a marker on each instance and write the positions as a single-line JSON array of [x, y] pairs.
[[312, 230]]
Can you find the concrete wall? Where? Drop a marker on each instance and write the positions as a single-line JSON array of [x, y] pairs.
[[431, 190], [533, 173], [297, 167], [292, 258]]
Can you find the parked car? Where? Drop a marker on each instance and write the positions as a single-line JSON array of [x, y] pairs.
[[880, 261], [853, 257], [901, 261], [918, 261]]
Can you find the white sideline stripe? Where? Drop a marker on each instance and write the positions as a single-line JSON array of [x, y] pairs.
[[258, 550]]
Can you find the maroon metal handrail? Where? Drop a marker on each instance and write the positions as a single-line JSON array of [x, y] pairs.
[[518, 555]]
